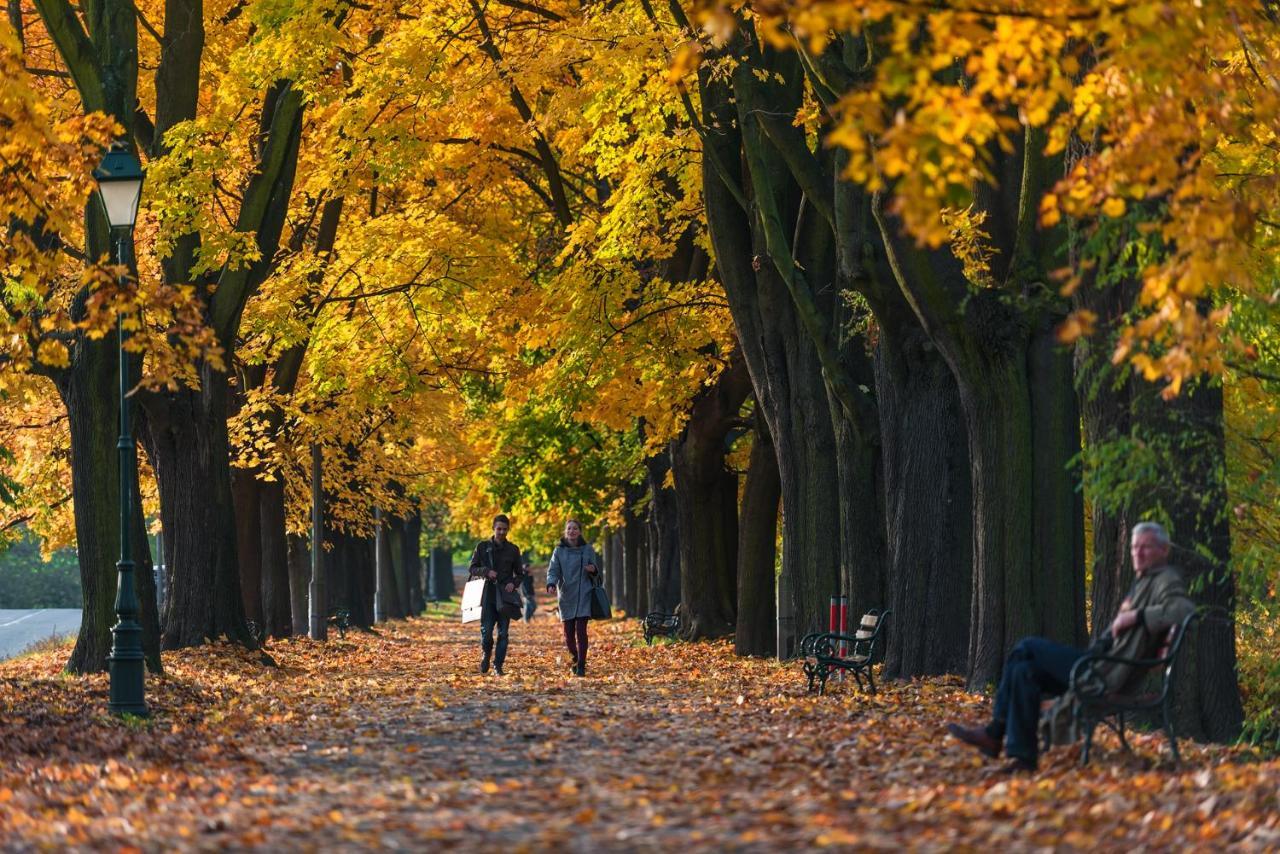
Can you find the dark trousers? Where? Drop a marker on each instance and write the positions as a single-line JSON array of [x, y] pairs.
[[575, 638], [1035, 667], [489, 618]]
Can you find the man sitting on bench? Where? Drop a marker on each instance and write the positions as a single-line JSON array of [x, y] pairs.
[[1039, 666]]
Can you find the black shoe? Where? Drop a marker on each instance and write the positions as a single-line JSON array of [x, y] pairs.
[[484, 665], [580, 668], [497, 668]]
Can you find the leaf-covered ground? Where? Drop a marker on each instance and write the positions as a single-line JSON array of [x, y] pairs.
[[394, 740]]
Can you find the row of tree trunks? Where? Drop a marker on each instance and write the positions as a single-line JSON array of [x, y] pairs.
[[350, 575]]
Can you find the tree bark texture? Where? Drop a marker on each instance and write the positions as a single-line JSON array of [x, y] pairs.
[[299, 559], [245, 495], [785, 371], [707, 503], [442, 573], [277, 605], [1208, 699], [632, 549], [928, 511], [755, 632], [190, 452], [411, 545], [664, 537]]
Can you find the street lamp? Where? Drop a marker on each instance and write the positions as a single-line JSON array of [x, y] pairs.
[[119, 178]]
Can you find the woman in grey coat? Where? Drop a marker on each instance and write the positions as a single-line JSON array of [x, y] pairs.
[[570, 574]]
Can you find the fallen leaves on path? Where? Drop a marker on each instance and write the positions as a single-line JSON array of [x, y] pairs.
[[394, 739]]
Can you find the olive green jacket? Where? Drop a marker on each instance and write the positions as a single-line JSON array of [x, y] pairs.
[[1160, 598]]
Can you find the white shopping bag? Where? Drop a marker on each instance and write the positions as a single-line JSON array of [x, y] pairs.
[[472, 600]]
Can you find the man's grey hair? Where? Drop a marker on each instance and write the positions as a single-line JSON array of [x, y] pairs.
[[1155, 528]]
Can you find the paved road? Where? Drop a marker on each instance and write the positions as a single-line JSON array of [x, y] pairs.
[[20, 629]]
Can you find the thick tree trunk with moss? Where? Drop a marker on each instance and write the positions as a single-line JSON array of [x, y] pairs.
[[95, 429], [928, 512], [756, 629], [786, 372]]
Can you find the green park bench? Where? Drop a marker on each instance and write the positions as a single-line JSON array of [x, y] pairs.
[[657, 623], [340, 619], [825, 653]]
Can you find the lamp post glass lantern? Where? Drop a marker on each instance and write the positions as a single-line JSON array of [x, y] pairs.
[[119, 179]]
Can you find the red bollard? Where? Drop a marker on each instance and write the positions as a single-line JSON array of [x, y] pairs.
[[835, 610], [844, 625]]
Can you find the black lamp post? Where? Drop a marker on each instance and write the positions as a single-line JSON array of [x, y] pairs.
[[119, 180]]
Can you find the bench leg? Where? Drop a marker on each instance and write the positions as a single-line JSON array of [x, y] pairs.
[[857, 677], [1124, 742], [1087, 732], [871, 679]]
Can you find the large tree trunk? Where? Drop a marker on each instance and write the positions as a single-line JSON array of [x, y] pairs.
[[276, 581], [633, 546], [411, 545], [442, 573], [93, 419], [245, 497], [786, 370], [928, 511], [1208, 699], [707, 504], [756, 629], [1058, 556], [399, 570], [358, 570], [664, 538], [299, 579], [997, 410], [189, 450]]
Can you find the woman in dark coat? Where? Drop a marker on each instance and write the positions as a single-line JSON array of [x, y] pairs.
[[573, 568]]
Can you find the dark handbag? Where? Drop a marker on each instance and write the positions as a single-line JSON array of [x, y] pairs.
[[510, 605], [600, 609]]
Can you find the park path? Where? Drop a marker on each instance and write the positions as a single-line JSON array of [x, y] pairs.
[[393, 740]]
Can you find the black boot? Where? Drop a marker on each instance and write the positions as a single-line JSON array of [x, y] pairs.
[[484, 662], [580, 668]]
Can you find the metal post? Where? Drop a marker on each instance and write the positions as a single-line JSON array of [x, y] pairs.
[[786, 616], [379, 564], [126, 662], [319, 613]]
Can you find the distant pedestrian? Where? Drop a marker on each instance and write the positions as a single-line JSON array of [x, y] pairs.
[[497, 560], [570, 575]]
